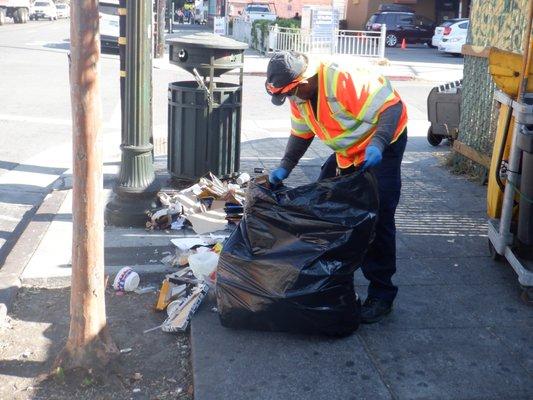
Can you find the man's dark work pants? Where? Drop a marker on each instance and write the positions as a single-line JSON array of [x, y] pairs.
[[380, 262]]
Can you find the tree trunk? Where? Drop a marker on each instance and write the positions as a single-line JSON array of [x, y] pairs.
[[89, 344], [159, 42]]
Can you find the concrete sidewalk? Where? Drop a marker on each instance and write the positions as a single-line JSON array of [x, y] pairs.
[[459, 329], [411, 69]]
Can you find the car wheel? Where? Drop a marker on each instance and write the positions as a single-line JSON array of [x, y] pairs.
[[391, 40], [433, 139]]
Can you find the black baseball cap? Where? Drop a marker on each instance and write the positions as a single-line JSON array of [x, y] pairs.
[[284, 68]]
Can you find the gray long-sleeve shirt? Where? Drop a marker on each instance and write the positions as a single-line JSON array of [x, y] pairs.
[[387, 123]]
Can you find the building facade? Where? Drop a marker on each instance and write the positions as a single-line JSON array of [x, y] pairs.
[[359, 11], [282, 8]]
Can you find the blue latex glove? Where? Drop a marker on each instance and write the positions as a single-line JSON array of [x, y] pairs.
[[277, 175], [373, 157]]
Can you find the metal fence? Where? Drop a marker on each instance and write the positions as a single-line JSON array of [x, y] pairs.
[[356, 43], [242, 30]]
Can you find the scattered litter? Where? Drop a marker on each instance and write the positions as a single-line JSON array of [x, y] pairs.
[[171, 288], [178, 224], [209, 221], [146, 289], [219, 237], [170, 260], [126, 350], [243, 178], [137, 376], [179, 320], [136, 390], [203, 264], [208, 205], [188, 243], [214, 310], [451, 240], [179, 390], [126, 280]]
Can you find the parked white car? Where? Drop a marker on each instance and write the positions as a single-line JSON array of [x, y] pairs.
[[453, 37], [44, 9], [255, 11], [109, 23], [445, 29], [63, 10]]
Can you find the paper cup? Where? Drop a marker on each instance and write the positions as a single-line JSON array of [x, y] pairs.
[[126, 280]]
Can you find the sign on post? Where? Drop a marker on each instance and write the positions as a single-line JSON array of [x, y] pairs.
[[322, 23], [219, 25]]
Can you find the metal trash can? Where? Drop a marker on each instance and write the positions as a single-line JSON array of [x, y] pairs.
[[204, 116], [198, 142], [444, 112]]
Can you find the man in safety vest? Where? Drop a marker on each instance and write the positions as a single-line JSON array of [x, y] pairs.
[[363, 120]]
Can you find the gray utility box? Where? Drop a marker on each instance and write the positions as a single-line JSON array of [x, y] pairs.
[[204, 115], [444, 112]]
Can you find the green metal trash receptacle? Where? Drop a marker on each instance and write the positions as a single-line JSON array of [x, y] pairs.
[[201, 140], [204, 116]]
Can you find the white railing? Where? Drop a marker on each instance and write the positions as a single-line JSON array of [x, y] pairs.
[[357, 43], [242, 30], [361, 43]]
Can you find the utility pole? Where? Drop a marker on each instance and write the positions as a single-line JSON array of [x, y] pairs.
[[89, 344], [136, 185]]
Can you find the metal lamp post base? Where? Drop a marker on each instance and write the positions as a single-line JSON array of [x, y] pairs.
[[136, 188]]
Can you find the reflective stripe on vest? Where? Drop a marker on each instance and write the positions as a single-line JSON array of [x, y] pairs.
[[346, 131], [299, 127]]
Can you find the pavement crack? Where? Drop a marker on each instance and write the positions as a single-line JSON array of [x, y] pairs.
[[375, 362]]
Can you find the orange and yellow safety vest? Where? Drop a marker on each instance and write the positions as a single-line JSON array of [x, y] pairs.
[[348, 108]]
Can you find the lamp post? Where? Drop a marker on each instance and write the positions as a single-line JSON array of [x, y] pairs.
[[136, 184]]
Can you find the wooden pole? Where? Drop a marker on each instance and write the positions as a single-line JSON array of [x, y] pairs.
[[89, 344], [159, 42]]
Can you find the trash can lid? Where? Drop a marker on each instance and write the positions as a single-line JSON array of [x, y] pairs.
[[209, 41]]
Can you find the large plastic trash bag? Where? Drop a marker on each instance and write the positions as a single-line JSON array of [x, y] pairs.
[[289, 265]]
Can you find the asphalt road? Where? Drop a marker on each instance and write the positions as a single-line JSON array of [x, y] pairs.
[[35, 120]]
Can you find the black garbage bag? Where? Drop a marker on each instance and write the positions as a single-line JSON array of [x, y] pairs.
[[289, 265]]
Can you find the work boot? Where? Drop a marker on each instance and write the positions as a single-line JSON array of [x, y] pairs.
[[375, 310]]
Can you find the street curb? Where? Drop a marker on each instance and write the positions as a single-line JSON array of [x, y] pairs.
[[389, 77], [25, 246]]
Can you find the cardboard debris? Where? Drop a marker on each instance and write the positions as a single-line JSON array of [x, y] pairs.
[[171, 290], [205, 205], [188, 242], [208, 222], [179, 318]]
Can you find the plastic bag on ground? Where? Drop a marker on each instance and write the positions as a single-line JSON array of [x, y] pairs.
[[289, 265]]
